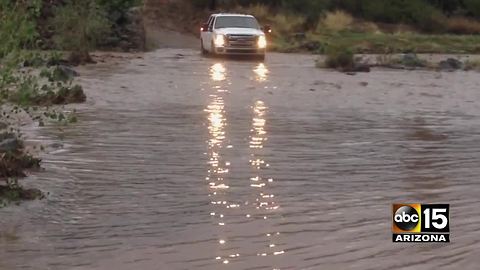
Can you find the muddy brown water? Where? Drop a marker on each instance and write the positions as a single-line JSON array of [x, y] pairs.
[[182, 162]]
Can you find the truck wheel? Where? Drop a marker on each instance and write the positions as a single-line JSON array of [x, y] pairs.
[[204, 52], [212, 52]]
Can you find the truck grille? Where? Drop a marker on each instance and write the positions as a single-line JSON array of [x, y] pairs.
[[241, 41]]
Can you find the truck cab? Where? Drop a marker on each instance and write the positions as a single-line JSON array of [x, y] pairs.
[[233, 34]]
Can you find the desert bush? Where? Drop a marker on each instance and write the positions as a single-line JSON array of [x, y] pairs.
[[284, 24], [365, 27], [311, 10], [472, 65], [463, 25], [116, 10], [21, 80], [78, 26], [336, 21], [288, 23], [17, 32], [420, 13], [260, 11], [17, 27], [339, 58]]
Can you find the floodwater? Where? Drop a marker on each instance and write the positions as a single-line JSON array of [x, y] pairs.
[[184, 162]]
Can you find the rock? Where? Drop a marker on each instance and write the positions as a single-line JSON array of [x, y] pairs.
[[76, 95], [357, 67], [361, 67], [125, 45], [409, 57], [7, 135], [363, 84], [16, 194], [179, 56], [312, 46], [451, 64], [68, 71], [300, 36], [31, 194], [3, 126], [411, 60]]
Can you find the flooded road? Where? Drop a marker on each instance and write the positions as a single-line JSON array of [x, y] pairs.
[[182, 162]]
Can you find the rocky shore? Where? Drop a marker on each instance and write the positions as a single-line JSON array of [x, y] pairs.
[[14, 163]]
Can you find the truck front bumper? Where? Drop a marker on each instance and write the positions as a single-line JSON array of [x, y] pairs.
[[239, 51]]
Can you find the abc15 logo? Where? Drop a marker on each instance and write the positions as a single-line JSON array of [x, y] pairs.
[[420, 218]]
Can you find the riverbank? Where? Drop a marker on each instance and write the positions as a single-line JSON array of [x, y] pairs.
[[42, 43], [378, 43], [34, 93], [15, 161], [43, 108], [169, 23]]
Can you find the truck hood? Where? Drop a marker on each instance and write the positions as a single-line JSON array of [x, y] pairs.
[[239, 31]]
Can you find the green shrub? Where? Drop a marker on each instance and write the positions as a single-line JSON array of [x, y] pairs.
[[312, 10], [78, 26], [339, 58], [116, 10], [17, 27], [425, 16], [17, 33]]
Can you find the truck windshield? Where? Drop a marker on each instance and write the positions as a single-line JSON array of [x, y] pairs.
[[236, 21]]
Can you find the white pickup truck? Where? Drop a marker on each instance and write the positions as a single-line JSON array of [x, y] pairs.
[[233, 34]]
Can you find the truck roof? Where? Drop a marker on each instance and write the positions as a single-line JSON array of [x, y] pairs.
[[232, 14]]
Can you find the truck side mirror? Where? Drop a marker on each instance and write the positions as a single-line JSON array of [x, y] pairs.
[[204, 27]]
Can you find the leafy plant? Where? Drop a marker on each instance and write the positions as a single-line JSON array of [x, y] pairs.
[[78, 26], [339, 58], [337, 21], [116, 10], [17, 27]]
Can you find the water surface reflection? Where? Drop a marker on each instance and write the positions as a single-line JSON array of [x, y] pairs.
[[240, 165]]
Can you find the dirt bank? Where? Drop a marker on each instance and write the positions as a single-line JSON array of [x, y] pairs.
[[162, 27]]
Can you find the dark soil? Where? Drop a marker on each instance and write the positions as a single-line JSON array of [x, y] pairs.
[[12, 194], [13, 164], [65, 95]]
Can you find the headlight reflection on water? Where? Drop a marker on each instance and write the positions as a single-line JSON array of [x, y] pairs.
[[218, 72], [261, 72]]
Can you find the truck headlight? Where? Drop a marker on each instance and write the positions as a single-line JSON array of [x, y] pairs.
[[219, 41], [262, 42]]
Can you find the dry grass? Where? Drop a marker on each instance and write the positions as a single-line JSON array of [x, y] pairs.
[[261, 12], [288, 24], [472, 65], [282, 23], [336, 21], [462, 25], [366, 27]]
